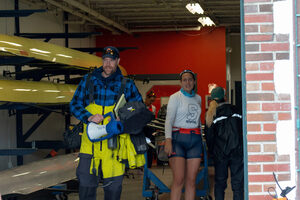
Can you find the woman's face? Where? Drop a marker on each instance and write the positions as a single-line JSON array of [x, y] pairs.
[[187, 82]]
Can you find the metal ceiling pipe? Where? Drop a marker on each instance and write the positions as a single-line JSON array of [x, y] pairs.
[[97, 15], [73, 12], [197, 28], [74, 22]]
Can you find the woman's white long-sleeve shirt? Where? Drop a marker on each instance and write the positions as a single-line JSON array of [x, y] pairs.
[[182, 112]]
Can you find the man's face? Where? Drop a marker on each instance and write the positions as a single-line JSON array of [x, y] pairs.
[[109, 66]]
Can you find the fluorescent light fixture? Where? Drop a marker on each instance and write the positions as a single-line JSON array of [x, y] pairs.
[[38, 50], [11, 43], [206, 21], [194, 8]]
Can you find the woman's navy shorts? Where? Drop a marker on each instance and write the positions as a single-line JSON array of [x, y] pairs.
[[186, 145]]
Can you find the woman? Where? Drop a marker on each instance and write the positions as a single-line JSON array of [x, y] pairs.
[[183, 136], [150, 98], [224, 137]]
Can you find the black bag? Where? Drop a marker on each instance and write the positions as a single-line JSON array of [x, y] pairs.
[[72, 138], [139, 143], [134, 116]]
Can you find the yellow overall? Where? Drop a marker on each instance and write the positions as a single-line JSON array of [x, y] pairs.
[[112, 161]]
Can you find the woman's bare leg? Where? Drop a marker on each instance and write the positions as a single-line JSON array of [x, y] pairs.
[[178, 169], [192, 168]]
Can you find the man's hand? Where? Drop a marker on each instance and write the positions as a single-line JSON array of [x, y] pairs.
[[168, 146], [96, 118]]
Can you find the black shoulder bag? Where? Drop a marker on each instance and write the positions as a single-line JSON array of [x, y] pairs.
[[72, 137]]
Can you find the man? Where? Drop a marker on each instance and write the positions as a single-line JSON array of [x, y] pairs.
[[97, 160], [225, 144]]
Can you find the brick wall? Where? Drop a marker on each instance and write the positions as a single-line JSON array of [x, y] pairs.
[[265, 107]]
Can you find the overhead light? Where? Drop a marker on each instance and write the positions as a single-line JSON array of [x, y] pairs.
[[194, 8], [206, 21]]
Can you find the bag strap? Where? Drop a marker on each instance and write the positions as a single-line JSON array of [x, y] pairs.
[[121, 91], [90, 88]]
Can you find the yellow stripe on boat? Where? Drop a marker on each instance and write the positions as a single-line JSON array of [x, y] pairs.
[[36, 92], [45, 51]]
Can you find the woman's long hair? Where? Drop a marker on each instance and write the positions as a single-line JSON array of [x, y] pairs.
[[211, 113]]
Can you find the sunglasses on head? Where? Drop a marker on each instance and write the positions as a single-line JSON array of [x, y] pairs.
[[188, 71], [109, 51]]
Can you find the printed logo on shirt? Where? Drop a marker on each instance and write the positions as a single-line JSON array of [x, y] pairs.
[[192, 114], [131, 109]]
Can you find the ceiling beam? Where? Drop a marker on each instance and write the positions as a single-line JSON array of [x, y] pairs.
[[197, 28], [97, 15], [82, 16]]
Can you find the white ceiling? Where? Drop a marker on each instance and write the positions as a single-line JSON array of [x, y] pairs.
[[132, 16]]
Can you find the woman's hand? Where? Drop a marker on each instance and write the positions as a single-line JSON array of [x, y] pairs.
[[96, 118], [168, 146]]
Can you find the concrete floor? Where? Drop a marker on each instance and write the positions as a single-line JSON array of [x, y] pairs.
[[132, 186]]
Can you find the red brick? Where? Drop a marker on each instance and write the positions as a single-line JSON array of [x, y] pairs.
[[269, 127], [255, 188], [252, 67], [261, 178], [260, 97], [275, 47], [282, 56], [284, 116], [266, 8], [266, 28], [259, 77], [282, 37], [259, 57], [283, 158], [251, 28], [261, 158], [276, 106], [267, 186], [284, 97], [270, 148], [254, 168], [261, 137], [267, 86], [260, 197], [252, 47], [258, 18], [254, 148], [253, 106], [251, 8], [259, 38], [260, 117], [284, 177], [253, 127], [267, 66], [276, 167], [252, 86]]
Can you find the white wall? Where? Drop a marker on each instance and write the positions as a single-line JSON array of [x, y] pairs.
[[53, 126]]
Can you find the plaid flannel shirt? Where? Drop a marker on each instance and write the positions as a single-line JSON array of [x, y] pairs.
[[106, 91]]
